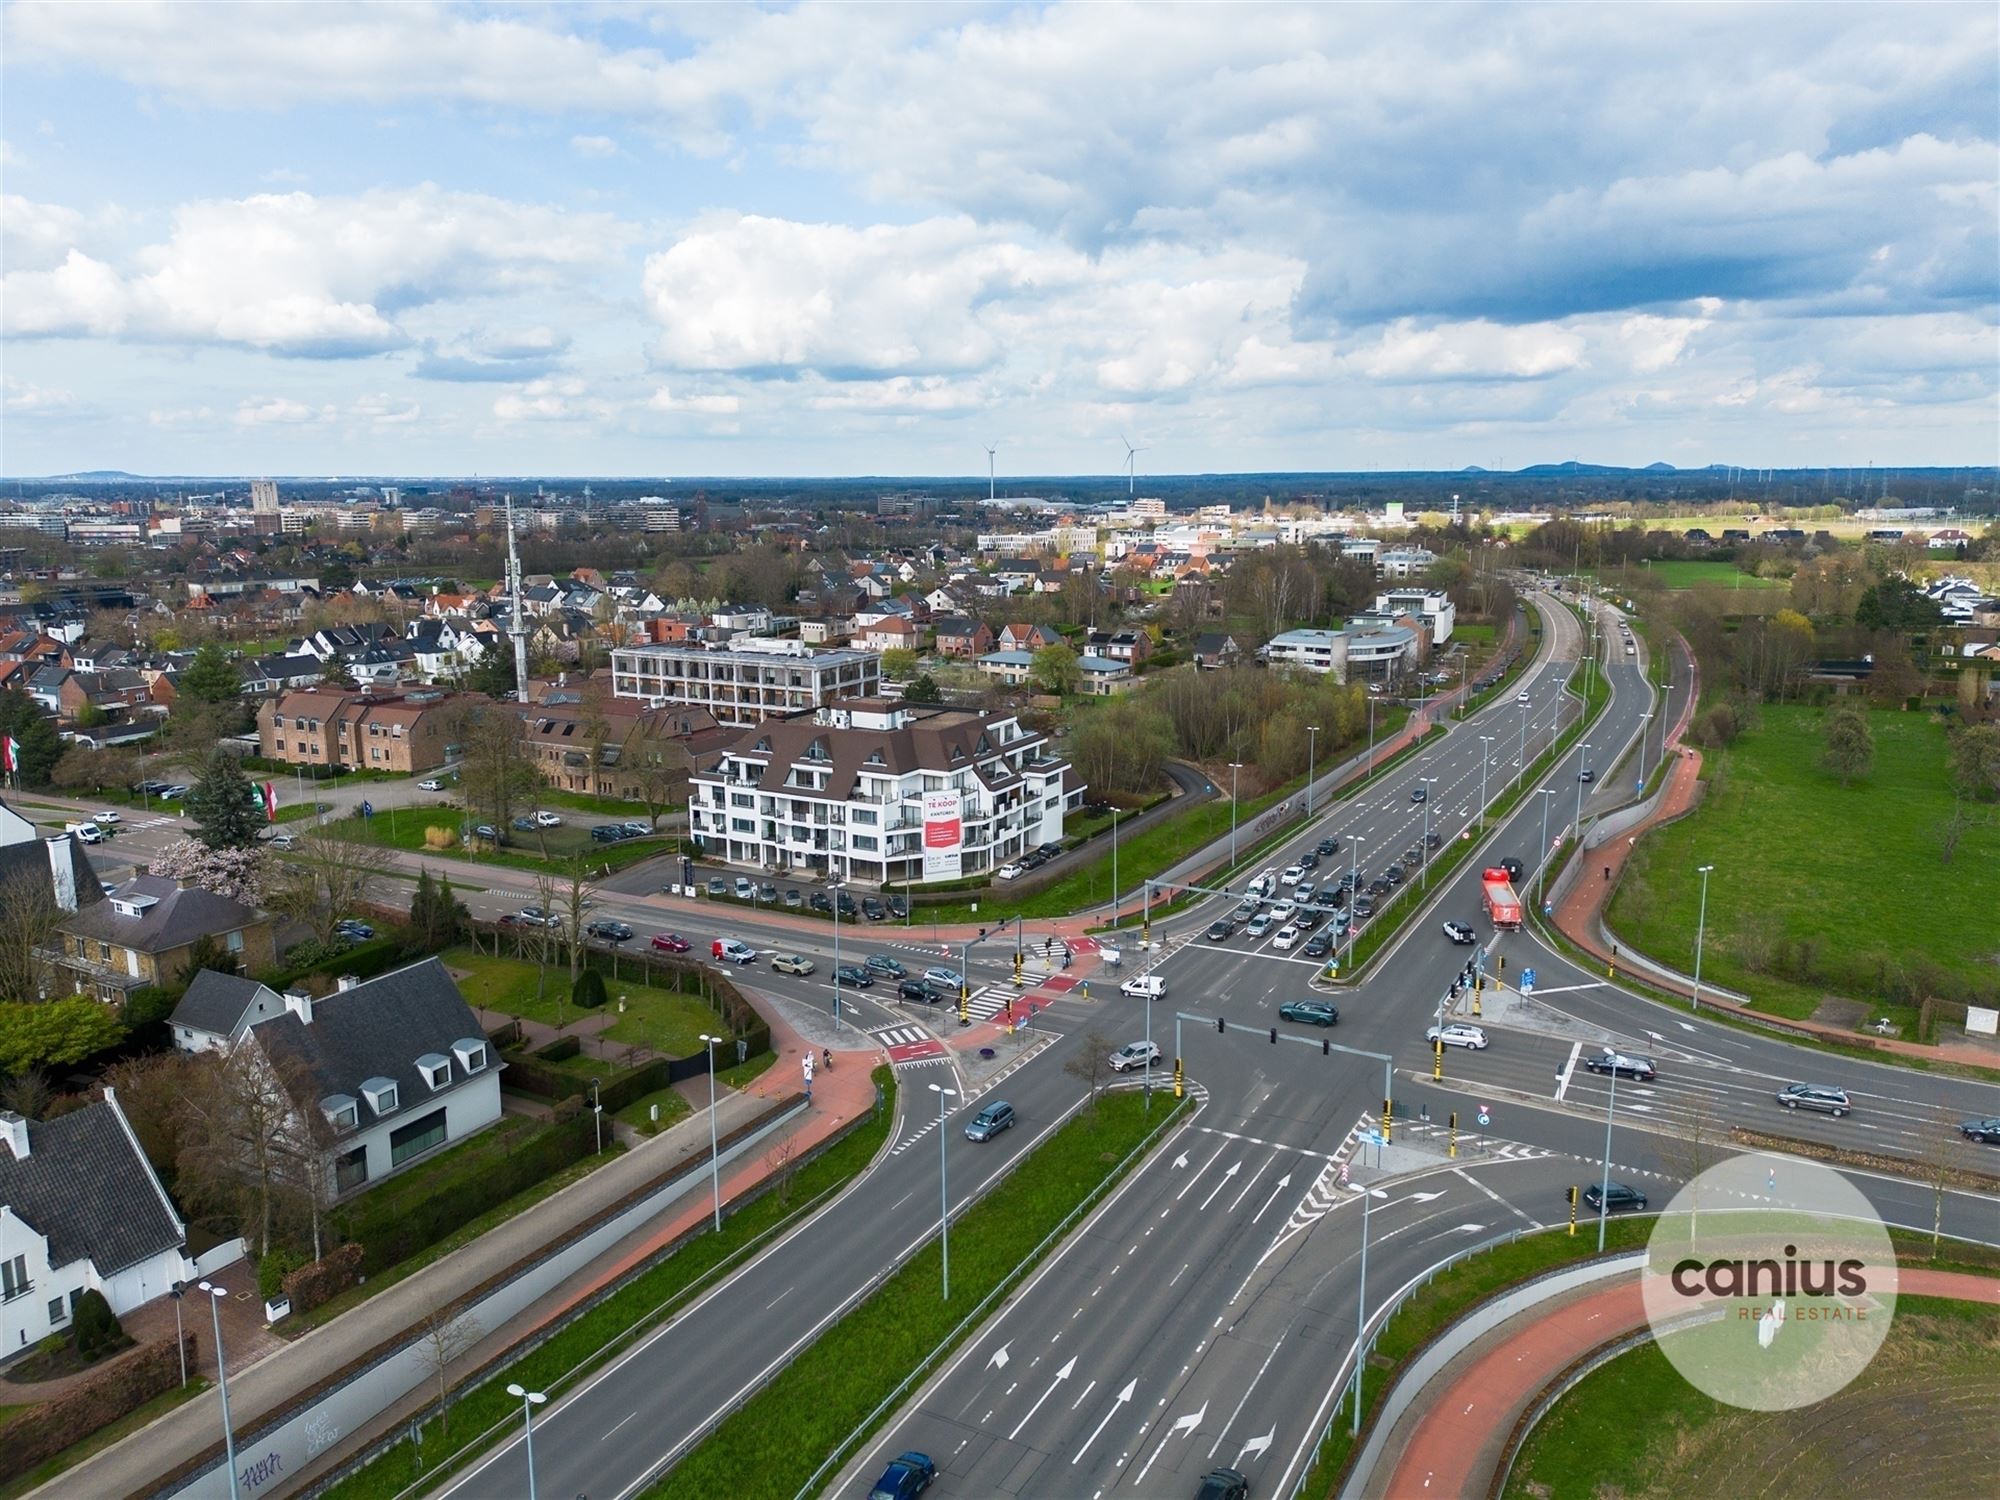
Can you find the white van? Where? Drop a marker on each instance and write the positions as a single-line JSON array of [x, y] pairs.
[[1264, 884], [89, 833]]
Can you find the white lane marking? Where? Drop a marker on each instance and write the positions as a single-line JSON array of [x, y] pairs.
[[1569, 1066]]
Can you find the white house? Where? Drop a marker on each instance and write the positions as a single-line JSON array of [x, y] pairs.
[[218, 1009], [1310, 650], [1432, 606], [80, 1209]]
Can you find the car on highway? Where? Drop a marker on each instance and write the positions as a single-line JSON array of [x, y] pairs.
[[1819, 1096], [791, 963], [732, 951], [547, 819], [1307, 919], [908, 1475], [1305, 890], [887, 967], [990, 1121], [609, 931], [854, 976], [917, 990], [1223, 1484], [945, 979], [1394, 874], [1293, 875], [1328, 846], [1457, 1034], [1513, 868], [1309, 860], [1312, 1012], [1283, 912], [1379, 886], [1623, 1064], [1258, 925], [1522, 699], [1981, 1130], [1221, 930], [535, 916], [1133, 1055], [1245, 910], [1419, 794], [1614, 1198], [1364, 906], [1586, 775], [1144, 987], [1459, 933], [1287, 936], [1320, 946], [670, 942]]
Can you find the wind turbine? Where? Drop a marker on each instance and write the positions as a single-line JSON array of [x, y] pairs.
[[1131, 466], [990, 451]]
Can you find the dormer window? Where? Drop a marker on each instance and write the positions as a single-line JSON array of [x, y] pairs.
[[471, 1054], [381, 1095], [436, 1068], [341, 1111]]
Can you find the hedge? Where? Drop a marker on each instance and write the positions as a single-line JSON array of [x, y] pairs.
[[562, 1049], [391, 1225], [363, 961], [41, 1432], [323, 1279]]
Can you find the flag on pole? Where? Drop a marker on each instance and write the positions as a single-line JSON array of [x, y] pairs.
[[10, 754], [270, 802]]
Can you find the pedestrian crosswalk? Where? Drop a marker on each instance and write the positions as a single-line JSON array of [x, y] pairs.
[[990, 1001], [911, 1046], [896, 1036]]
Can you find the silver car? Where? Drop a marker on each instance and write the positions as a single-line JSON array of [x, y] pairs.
[[1457, 1034], [1134, 1055]]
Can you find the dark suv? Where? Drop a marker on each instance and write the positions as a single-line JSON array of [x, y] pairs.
[[1223, 1484], [1623, 1064]]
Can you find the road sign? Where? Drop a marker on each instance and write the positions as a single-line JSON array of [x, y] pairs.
[[1485, 1115], [1527, 981], [367, 808]]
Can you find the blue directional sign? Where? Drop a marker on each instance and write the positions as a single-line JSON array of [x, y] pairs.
[[367, 808], [1527, 981]]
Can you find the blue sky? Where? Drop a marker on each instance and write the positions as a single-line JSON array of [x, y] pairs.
[[831, 240]]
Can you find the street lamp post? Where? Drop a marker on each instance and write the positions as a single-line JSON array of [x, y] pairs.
[[1114, 867], [1700, 931], [177, 1291], [944, 1195], [1429, 783], [1542, 861], [1521, 752], [1645, 733], [1361, 1307], [529, 1401], [1604, 1186], [714, 1147], [1485, 760], [1312, 757], [833, 892], [597, 1116], [215, 1296], [1353, 887], [1234, 767], [1585, 758]]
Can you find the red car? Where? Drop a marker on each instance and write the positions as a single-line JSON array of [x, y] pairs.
[[669, 942]]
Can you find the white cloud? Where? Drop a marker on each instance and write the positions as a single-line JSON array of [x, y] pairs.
[[663, 399], [1468, 351], [299, 275], [36, 236], [27, 399], [386, 410], [265, 411], [593, 145], [551, 400]]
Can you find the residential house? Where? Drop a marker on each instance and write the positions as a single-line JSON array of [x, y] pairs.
[[1102, 676], [1011, 667], [895, 633], [81, 1210], [963, 638], [1129, 646], [615, 747], [1019, 637], [144, 932], [1217, 648], [264, 676], [357, 728], [218, 1009]]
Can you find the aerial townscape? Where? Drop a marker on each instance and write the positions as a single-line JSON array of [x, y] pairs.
[[1043, 752]]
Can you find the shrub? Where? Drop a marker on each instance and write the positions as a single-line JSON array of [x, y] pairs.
[[123, 1385], [274, 1268], [440, 838], [560, 1050], [588, 991], [323, 1279], [97, 1328]]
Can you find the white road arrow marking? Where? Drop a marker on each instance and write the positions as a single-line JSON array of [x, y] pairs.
[[1061, 1375], [1234, 1168], [999, 1359], [1466, 1228], [1182, 1425], [1195, 1176], [1684, 1026], [1180, 1161], [1256, 1446], [1283, 1183], [1420, 1197], [1656, 1036], [1116, 1401]]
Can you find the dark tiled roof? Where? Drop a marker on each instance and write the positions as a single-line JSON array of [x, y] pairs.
[[29, 859], [378, 1030], [945, 740], [89, 1191], [216, 1002], [177, 917]]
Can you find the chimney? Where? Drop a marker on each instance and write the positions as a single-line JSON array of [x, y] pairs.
[[347, 982], [300, 1004], [16, 1130], [62, 873]]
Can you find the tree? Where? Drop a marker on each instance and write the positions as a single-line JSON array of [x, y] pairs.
[[899, 663], [438, 919], [1896, 605], [34, 732], [586, 992], [335, 673], [205, 952], [239, 1153], [30, 932], [1055, 670], [1850, 743], [1090, 1067], [922, 688], [656, 766], [446, 1334], [211, 677], [83, 768], [1951, 829], [240, 874], [326, 879], [224, 806], [573, 906], [151, 1095], [495, 774], [1975, 761], [1941, 1165], [54, 1033], [96, 1330]]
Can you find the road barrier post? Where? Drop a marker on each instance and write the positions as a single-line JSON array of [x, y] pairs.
[[1180, 1079], [1437, 1060], [1451, 1150], [1388, 1117], [964, 1002], [1572, 1210]]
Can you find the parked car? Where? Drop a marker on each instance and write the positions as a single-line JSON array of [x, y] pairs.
[[670, 942], [990, 1121], [717, 886], [1133, 1055], [1223, 1484], [917, 990], [907, 1476], [173, 793], [361, 932], [546, 819], [732, 951], [488, 832], [872, 909], [283, 841], [791, 963], [1614, 1198], [1221, 930], [768, 892], [820, 901], [793, 897], [1312, 1012], [635, 829], [609, 931], [1459, 933], [887, 967], [606, 833], [1049, 850], [524, 824], [1624, 1065], [1458, 1034], [846, 904], [898, 907], [1817, 1096], [1144, 987], [1010, 871], [854, 976], [745, 890], [1987, 1130]]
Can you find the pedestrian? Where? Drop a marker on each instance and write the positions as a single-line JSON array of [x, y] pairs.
[[829, 1058], [1048, 947]]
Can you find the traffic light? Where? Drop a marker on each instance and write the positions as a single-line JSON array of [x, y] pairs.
[[1454, 1134], [1274, 1036], [1572, 1208], [1220, 1026]]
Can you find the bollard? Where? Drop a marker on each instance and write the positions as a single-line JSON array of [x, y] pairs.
[[1572, 1208], [1437, 1060], [1388, 1118], [1452, 1150]]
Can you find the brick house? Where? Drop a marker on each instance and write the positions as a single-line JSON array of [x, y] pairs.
[[319, 726], [143, 932], [964, 638]]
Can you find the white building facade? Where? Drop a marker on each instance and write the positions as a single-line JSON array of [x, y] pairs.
[[747, 681]]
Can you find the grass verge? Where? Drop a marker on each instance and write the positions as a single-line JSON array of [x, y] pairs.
[[772, 1445], [486, 1412], [103, 1438]]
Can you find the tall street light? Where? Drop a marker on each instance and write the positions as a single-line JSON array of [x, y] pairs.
[[1234, 767], [1353, 887], [529, 1401], [1700, 930], [1645, 734], [833, 890], [1542, 860], [1370, 771], [714, 1147], [215, 1296], [1312, 747], [1485, 760], [1430, 783], [1585, 766], [597, 1116], [944, 1196], [1521, 753], [1114, 867], [1604, 1185], [177, 1291], [1361, 1306]]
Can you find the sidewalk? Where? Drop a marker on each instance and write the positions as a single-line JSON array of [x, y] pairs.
[[1457, 1434], [269, 1385]]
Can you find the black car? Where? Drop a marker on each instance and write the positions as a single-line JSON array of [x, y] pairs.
[[1048, 850], [898, 907], [1420, 794], [1308, 861], [906, 1478], [1981, 1130], [1618, 1198], [1623, 1064], [854, 977], [1329, 846], [1394, 874], [872, 909], [1379, 886], [883, 964], [1513, 868], [606, 833], [1586, 775], [1221, 930], [917, 990], [1307, 919], [1432, 840], [847, 906], [1034, 860], [1223, 1484], [820, 901], [1320, 946], [1363, 907], [610, 932], [1338, 897]]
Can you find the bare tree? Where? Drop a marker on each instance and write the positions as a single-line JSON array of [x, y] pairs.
[[545, 936], [576, 898], [1699, 1142], [1951, 829], [655, 765], [443, 1336], [326, 879], [1090, 1067], [235, 1122], [1941, 1164], [30, 935], [781, 1159]]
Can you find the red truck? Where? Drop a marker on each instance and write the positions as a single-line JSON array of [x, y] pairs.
[[1503, 907]]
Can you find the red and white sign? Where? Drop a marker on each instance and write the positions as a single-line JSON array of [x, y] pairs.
[[944, 835]]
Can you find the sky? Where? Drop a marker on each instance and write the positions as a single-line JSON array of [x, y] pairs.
[[821, 240]]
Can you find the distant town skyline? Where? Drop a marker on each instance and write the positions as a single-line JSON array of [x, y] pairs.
[[826, 241]]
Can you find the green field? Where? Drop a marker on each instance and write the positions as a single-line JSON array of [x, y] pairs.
[[668, 1021], [403, 828], [1686, 574], [1820, 890], [1917, 1422]]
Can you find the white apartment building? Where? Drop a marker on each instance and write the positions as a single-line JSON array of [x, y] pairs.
[[746, 682], [883, 793], [1405, 562], [1365, 649], [1432, 606], [1310, 650]]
